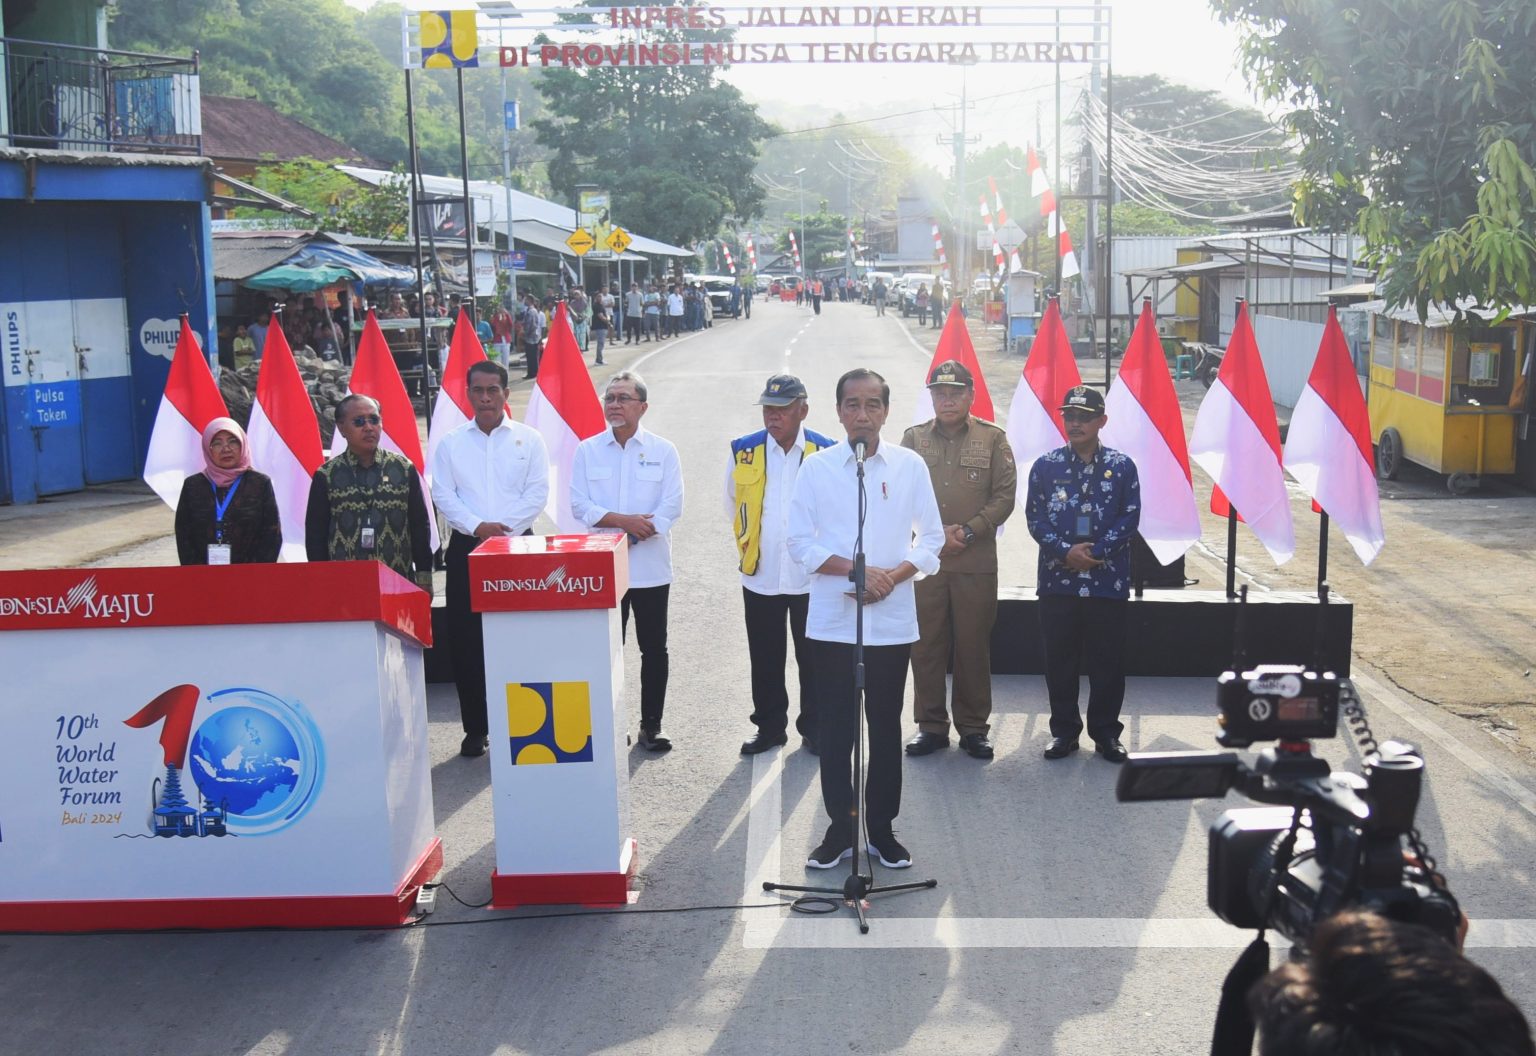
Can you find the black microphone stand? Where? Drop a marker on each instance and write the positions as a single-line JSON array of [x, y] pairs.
[[858, 886]]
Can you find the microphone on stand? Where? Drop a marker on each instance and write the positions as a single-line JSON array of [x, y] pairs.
[[858, 452]]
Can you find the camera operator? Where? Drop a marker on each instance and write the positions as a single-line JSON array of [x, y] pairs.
[[1374, 986]]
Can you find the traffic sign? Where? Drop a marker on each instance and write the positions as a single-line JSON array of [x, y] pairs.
[[619, 240], [581, 241]]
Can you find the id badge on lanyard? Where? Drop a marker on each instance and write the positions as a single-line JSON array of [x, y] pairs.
[[219, 550]]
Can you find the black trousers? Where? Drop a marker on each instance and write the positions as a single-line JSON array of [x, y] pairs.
[[466, 637], [885, 681], [634, 329], [650, 608], [767, 648], [531, 350], [1084, 634]]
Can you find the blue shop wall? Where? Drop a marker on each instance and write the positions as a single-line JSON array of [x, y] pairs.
[[90, 299]]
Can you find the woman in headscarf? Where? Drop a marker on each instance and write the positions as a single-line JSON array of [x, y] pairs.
[[227, 514]]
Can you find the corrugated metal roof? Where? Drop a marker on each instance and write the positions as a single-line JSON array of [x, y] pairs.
[[238, 256], [526, 208]]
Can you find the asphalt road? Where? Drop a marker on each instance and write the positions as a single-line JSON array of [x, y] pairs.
[[1061, 923]]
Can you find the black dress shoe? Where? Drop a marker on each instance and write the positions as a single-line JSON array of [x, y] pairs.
[[1111, 750], [761, 742], [925, 743], [474, 745], [653, 741], [1060, 747], [976, 746]]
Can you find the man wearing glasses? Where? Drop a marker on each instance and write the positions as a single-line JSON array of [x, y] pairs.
[[367, 504], [490, 477], [1083, 506], [974, 479], [629, 480]]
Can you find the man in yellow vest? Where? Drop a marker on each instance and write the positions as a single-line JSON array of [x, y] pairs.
[[758, 486]]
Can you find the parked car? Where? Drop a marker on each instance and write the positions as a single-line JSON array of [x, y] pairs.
[[718, 287], [869, 285], [907, 291]]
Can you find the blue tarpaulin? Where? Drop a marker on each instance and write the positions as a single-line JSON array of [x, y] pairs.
[[319, 264]]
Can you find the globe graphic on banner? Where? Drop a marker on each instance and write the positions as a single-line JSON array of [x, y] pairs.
[[246, 759]]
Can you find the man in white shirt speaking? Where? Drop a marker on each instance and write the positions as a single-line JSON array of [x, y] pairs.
[[758, 486], [902, 538], [629, 480], [490, 477]]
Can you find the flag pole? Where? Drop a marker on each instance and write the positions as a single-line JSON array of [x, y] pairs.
[[1231, 550], [1322, 555]]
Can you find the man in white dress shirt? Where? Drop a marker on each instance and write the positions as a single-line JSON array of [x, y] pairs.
[[490, 477], [629, 480], [902, 538], [758, 486]]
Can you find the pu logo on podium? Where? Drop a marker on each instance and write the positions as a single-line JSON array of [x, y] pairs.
[[549, 722]]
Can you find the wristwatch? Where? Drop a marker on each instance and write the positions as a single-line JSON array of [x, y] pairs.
[[969, 533]]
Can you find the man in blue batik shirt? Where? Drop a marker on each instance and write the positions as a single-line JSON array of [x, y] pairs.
[[1083, 506]]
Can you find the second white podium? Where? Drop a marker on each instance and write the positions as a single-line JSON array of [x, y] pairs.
[[554, 676]]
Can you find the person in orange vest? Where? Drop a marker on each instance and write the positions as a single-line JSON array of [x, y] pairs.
[[816, 291]]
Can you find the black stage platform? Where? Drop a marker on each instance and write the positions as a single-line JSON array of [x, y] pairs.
[[1172, 632], [1188, 632]]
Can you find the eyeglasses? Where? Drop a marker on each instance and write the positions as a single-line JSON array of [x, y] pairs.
[[365, 419], [619, 397]]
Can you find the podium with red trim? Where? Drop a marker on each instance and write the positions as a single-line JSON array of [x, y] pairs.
[[210, 747], [554, 675]]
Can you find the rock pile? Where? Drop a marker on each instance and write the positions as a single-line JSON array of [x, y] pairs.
[[325, 379]]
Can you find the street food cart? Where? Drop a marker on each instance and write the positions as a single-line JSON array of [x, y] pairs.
[[404, 339], [1448, 395]]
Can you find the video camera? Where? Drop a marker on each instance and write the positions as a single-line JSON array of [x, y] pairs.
[[1331, 840]]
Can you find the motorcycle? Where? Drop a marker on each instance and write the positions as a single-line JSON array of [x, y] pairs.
[[1207, 361]]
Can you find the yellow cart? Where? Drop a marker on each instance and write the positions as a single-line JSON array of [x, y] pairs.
[[1447, 396]]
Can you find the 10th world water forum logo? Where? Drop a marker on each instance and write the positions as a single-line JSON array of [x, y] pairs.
[[549, 722], [256, 762]]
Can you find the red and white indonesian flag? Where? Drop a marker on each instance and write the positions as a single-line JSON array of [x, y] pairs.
[[1034, 417], [565, 410], [191, 400], [752, 252], [1040, 187], [1237, 441], [955, 344], [1146, 423], [452, 408], [375, 374], [285, 437], [1328, 447]]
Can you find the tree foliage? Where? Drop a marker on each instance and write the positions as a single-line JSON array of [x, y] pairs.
[[826, 237], [338, 70], [1417, 121], [339, 202], [674, 145]]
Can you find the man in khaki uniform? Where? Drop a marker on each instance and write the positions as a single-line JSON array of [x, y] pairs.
[[974, 478]]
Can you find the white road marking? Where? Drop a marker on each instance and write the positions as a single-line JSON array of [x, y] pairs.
[[635, 366], [787, 930], [1475, 761]]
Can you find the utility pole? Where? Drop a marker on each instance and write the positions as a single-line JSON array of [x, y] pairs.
[[506, 179], [958, 142]]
